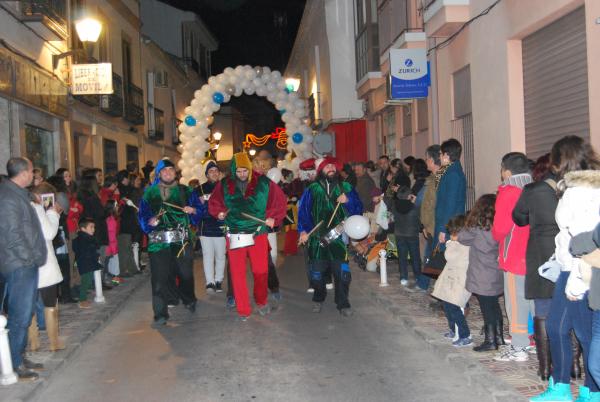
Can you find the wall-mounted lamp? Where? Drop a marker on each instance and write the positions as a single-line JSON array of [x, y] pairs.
[[252, 152], [88, 31]]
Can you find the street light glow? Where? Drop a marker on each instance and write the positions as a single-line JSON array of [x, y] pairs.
[[252, 152], [217, 136], [292, 84], [88, 29]]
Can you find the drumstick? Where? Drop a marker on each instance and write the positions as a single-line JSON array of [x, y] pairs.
[[173, 205], [245, 215], [313, 230], [333, 214]]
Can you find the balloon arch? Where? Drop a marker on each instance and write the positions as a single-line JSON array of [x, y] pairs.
[[235, 82]]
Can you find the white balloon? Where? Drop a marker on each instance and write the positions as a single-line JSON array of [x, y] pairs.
[[257, 82], [308, 139], [180, 149], [245, 84], [266, 77], [266, 70], [249, 90], [274, 174], [199, 154], [279, 106], [181, 164], [299, 104], [229, 70], [207, 110], [271, 87], [220, 87], [261, 91], [239, 70], [221, 78], [280, 84], [234, 79], [250, 74], [212, 81], [215, 107], [239, 91], [299, 113], [356, 227], [275, 75]]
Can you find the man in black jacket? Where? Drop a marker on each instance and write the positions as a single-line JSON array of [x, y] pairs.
[[22, 252]]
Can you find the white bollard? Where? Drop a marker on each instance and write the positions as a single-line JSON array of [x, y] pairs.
[[7, 375], [383, 268], [136, 256], [98, 284]]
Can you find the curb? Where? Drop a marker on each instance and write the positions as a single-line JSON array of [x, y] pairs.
[[474, 371], [73, 349]]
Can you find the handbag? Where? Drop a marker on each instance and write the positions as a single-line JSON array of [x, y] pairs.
[[434, 264], [550, 269]]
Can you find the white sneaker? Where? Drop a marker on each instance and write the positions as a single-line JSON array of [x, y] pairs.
[[329, 286], [404, 282], [310, 290], [512, 354]]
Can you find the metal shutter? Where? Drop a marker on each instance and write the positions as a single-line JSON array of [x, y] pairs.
[[555, 79]]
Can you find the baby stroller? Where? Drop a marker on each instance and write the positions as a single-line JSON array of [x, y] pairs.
[[367, 251]]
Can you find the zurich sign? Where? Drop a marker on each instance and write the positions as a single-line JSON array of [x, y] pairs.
[[409, 74]]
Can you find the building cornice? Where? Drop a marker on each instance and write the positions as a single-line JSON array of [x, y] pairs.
[[126, 13]]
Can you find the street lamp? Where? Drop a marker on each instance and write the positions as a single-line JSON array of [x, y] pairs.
[[88, 30], [217, 136], [252, 152], [292, 84]]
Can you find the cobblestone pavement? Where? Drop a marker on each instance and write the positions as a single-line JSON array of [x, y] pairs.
[[414, 309], [76, 327]]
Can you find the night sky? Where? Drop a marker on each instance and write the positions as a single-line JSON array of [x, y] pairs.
[[255, 32]]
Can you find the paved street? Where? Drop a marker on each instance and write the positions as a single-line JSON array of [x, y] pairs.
[[291, 355]]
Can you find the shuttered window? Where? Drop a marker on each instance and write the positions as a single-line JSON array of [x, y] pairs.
[[462, 92], [555, 83]]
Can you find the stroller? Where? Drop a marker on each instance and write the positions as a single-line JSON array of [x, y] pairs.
[[367, 250]]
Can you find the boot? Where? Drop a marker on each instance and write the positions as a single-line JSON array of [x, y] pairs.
[[542, 345], [554, 392], [51, 314], [576, 364], [500, 332], [490, 339], [33, 335]]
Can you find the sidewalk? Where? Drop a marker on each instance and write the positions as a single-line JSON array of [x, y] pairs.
[[506, 381], [76, 327]]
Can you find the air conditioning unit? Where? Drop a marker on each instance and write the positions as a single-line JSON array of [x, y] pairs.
[[161, 79]]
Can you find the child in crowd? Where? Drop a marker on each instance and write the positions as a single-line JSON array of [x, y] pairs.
[[86, 249], [111, 211], [484, 278], [450, 286]]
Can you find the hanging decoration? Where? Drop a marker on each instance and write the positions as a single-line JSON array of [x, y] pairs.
[[280, 135], [235, 82]]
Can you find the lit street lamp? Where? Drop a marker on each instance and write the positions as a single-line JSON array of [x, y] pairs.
[[88, 30], [292, 84], [252, 152]]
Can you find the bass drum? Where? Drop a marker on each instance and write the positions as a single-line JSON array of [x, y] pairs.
[[240, 240]]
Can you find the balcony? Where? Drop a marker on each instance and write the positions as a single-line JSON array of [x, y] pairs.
[[46, 17], [444, 17], [134, 105], [113, 104], [158, 133]]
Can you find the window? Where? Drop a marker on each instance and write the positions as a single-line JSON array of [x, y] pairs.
[[103, 51], [462, 92], [423, 114], [39, 145], [111, 157], [407, 120], [390, 131], [133, 157], [126, 49]]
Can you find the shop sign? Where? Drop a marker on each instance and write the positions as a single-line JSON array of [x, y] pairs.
[[92, 79], [409, 74]]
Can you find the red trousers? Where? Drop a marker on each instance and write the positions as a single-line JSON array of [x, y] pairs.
[[260, 271]]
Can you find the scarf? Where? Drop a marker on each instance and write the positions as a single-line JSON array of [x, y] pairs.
[[440, 173], [165, 189], [518, 180]]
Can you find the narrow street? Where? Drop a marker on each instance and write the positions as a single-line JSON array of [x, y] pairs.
[[291, 355]]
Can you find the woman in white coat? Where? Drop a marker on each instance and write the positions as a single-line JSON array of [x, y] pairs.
[[49, 273]]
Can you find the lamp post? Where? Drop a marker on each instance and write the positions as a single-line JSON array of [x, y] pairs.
[[88, 30], [252, 152]]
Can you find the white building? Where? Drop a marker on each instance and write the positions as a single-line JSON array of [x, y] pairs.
[[323, 59]]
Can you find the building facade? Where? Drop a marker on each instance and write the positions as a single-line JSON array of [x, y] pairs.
[[520, 76], [323, 59]]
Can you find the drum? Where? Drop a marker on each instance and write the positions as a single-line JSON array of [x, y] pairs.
[[332, 235], [240, 240]]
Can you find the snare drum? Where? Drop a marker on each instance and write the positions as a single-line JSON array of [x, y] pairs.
[[332, 235], [240, 240]]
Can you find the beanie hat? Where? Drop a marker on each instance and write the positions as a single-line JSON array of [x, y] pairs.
[[327, 161], [164, 163], [241, 160], [308, 164], [210, 165]]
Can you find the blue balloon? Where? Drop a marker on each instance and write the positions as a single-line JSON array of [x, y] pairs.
[[190, 121], [218, 98], [297, 138]]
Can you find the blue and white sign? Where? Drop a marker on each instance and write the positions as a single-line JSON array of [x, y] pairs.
[[409, 73]]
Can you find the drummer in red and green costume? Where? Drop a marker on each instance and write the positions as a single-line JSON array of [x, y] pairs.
[[166, 212], [317, 204], [246, 191]]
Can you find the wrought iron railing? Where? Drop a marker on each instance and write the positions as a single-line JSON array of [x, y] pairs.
[[134, 104], [113, 104]]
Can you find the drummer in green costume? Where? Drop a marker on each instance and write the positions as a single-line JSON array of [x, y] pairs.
[[166, 212], [318, 204]]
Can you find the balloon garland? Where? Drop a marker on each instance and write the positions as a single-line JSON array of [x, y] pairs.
[[235, 82]]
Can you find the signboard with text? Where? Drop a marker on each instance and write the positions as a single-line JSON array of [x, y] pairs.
[[409, 74], [92, 79]]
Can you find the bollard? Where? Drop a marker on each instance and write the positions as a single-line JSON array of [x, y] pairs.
[[98, 284], [383, 268], [7, 375]]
